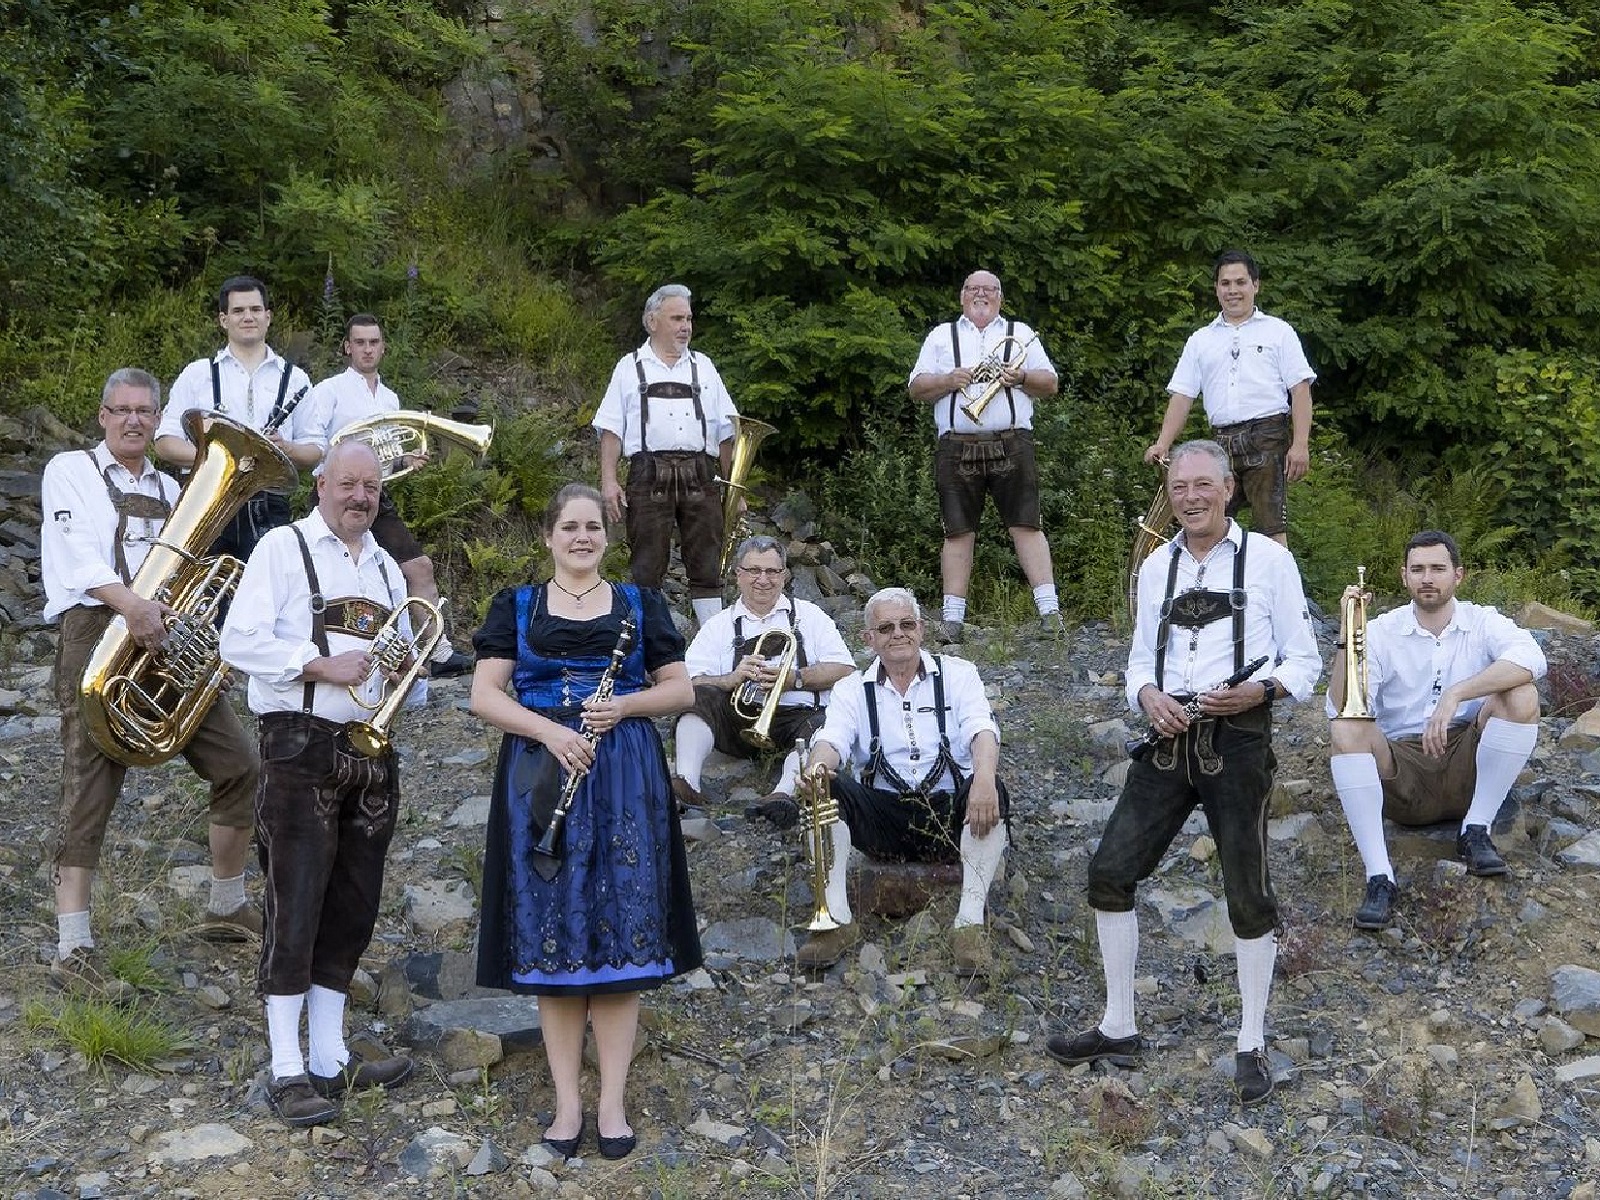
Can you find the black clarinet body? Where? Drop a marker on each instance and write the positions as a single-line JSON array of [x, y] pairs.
[[1139, 747]]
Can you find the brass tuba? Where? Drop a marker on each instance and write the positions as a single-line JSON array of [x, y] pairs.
[[747, 435], [820, 811], [395, 654], [989, 376], [397, 436], [756, 704], [1155, 529], [1357, 704], [142, 706]]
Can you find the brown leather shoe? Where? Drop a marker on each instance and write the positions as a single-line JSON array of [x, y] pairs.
[[821, 950], [362, 1073], [969, 946], [85, 973], [243, 924], [297, 1104], [688, 797]]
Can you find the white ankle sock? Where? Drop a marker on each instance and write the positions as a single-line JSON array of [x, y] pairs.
[[1255, 957], [1119, 955], [1044, 599], [705, 608], [980, 859], [227, 895], [1355, 778], [691, 743], [1504, 748], [72, 931], [955, 608], [325, 1030], [283, 1035]]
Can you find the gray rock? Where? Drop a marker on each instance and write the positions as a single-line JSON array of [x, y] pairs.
[[435, 1152], [751, 939], [466, 1049], [717, 1131], [437, 904], [1195, 915], [1557, 1037], [1583, 1068], [1575, 996], [470, 813], [489, 1160], [513, 1019], [212, 1140], [1585, 852]]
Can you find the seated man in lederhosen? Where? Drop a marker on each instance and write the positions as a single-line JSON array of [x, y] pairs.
[[722, 661], [667, 412], [922, 739]]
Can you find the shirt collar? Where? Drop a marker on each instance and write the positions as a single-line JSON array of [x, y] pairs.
[[317, 527], [360, 380], [1414, 626], [966, 322], [103, 458], [648, 351], [226, 354], [876, 672], [740, 609], [1234, 534], [1256, 315]]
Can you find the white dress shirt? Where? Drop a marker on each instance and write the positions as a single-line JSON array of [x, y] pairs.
[[1242, 372], [711, 652], [1277, 621], [267, 635], [344, 398], [907, 723], [77, 549], [1408, 668], [247, 396], [938, 358], [673, 425]]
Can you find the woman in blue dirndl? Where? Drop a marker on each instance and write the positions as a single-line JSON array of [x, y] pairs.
[[616, 917]]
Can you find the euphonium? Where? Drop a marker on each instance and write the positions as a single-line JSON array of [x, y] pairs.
[[1154, 530], [989, 376], [395, 437], [820, 812], [142, 706], [1357, 704], [756, 704], [393, 653], [747, 435]]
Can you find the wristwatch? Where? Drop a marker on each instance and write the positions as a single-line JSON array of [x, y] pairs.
[[1269, 690]]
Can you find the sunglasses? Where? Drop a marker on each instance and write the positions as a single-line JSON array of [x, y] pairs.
[[885, 628]]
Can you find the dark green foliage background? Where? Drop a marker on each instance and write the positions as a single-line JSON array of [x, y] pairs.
[[1418, 179]]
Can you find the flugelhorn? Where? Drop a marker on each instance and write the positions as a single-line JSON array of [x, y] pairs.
[[757, 704], [1357, 704], [1154, 529], [989, 375], [820, 812], [747, 435], [398, 661], [398, 437]]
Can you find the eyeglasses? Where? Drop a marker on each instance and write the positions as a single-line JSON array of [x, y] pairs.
[[123, 413], [764, 572], [907, 625], [980, 291]]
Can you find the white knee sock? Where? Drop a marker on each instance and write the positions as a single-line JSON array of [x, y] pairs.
[[227, 895], [705, 608], [837, 894], [1355, 778], [72, 931], [283, 1034], [1119, 954], [980, 859], [791, 772], [325, 1030], [1255, 957], [1044, 599], [691, 743], [955, 608], [1504, 748]]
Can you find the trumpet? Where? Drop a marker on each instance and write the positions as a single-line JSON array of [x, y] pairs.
[[821, 813], [404, 658], [989, 376], [1357, 704], [757, 704]]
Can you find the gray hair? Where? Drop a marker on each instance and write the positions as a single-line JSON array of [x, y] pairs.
[[131, 377], [667, 291], [1202, 446], [893, 595], [760, 543]]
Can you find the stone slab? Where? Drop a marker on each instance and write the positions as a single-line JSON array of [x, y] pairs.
[[513, 1019]]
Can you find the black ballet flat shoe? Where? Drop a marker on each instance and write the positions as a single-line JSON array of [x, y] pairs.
[[618, 1147], [568, 1147]]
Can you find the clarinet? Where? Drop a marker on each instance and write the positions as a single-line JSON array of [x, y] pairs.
[[1138, 747], [547, 854], [282, 411]]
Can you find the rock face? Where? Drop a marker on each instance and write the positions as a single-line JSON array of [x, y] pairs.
[[1575, 995]]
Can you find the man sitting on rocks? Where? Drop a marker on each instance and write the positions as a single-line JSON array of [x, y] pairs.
[[918, 730], [723, 665], [1450, 688]]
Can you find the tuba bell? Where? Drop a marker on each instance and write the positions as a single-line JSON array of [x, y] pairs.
[[396, 437], [1357, 704], [1153, 530], [747, 435], [759, 705], [820, 811], [142, 706], [393, 653]]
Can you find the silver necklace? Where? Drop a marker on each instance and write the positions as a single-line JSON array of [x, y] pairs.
[[577, 597]]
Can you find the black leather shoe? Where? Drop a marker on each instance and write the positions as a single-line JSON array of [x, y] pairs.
[[618, 1147], [1092, 1046], [459, 663], [568, 1147], [781, 810], [1474, 848], [1377, 910], [362, 1073], [1252, 1075]]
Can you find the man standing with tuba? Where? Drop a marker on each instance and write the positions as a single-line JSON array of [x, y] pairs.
[[1454, 717], [102, 509], [250, 382], [979, 356], [353, 395], [1212, 601], [1252, 375], [301, 627], [667, 412], [739, 659]]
